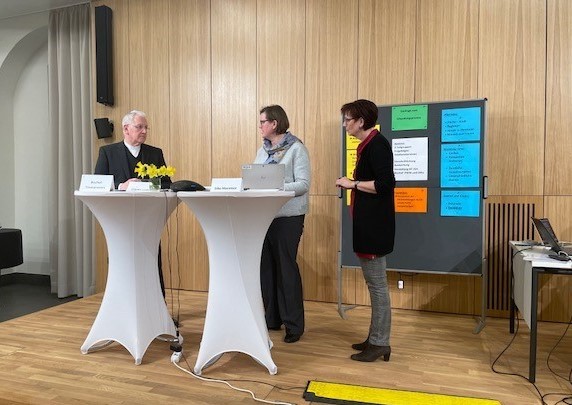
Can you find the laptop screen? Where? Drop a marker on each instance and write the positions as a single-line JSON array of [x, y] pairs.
[[263, 176], [546, 233], [548, 227]]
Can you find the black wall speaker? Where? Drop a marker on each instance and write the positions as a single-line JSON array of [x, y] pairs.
[[103, 127], [103, 55]]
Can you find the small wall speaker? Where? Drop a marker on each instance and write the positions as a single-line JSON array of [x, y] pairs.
[[103, 127], [103, 55]]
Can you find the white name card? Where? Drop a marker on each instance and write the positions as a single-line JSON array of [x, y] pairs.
[[100, 183], [136, 186], [227, 184]]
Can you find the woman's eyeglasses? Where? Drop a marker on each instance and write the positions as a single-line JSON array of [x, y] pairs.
[[348, 119]]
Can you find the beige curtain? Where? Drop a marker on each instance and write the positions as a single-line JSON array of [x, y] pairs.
[[72, 270]]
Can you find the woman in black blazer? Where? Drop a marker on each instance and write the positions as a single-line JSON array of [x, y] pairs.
[[373, 215]]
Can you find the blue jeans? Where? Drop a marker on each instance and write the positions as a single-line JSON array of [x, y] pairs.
[[376, 280]]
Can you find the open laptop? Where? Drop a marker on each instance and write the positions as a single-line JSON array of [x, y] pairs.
[[548, 237], [263, 176]]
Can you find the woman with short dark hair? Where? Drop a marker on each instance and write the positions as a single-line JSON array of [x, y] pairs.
[[373, 215]]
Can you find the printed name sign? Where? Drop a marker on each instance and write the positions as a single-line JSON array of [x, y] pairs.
[[135, 186], [100, 183], [226, 184]]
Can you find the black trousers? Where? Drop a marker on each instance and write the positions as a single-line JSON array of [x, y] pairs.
[[160, 265], [280, 275]]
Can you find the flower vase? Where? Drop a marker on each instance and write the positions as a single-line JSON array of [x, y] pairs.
[[155, 183]]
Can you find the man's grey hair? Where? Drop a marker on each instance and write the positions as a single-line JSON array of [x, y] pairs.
[[130, 117]]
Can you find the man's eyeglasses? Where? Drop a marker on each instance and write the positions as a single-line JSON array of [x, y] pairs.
[[140, 127]]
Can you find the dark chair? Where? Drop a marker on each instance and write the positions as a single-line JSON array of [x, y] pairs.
[[10, 248]]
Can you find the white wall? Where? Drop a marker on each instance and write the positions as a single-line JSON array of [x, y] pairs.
[[31, 146], [14, 29], [23, 85], [19, 37]]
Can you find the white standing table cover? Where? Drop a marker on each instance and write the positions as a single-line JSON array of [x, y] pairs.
[[235, 224], [133, 311]]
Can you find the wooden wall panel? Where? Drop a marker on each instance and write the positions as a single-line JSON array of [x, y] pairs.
[[507, 218], [349, 276], [149, 68], [318, 253], [149, 71], [185, 255], [558, 97], [444, 293], [190, 89], [558, 210], [555, 299], [400, 298], [281, 60], [234, 118], [512, 36], [190, 129], [386, 54], [204, 67], [447, 50], [331, 81]]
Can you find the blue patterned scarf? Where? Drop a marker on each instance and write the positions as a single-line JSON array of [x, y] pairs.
[[276, 153]]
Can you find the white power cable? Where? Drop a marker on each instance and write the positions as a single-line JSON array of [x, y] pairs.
[[179, 355]]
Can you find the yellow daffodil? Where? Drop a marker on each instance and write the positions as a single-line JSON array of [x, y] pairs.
[[141, 169], [166, 171], [152, 171]]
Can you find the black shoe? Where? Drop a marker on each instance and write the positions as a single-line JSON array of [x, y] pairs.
[[361, 346], [275, 327], [372, 353], [291, 337]]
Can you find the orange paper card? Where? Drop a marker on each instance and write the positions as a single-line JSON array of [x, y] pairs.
[[411, 199]]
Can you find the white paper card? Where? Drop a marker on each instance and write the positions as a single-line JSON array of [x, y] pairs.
[[135, 186], [100, 183], [410, 159], [226, 184]]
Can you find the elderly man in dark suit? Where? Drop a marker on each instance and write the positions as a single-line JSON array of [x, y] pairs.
[[120, 159]]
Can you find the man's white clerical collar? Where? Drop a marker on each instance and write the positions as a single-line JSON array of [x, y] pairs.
[[133, 149]]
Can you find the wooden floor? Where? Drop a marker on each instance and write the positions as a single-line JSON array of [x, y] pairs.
[[40, 360]]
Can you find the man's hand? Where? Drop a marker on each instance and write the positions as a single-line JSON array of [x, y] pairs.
[[123, 186]]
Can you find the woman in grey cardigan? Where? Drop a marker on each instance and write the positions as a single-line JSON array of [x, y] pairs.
[[279, 273]]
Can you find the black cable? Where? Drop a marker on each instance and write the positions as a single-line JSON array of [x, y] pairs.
[[175, 315], [178, 265], [516, 374], [169, 264], [567, 398], [553, 348], [521, 250]]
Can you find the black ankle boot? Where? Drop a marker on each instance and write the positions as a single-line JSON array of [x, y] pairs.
[[361, 346], [372, 353]]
